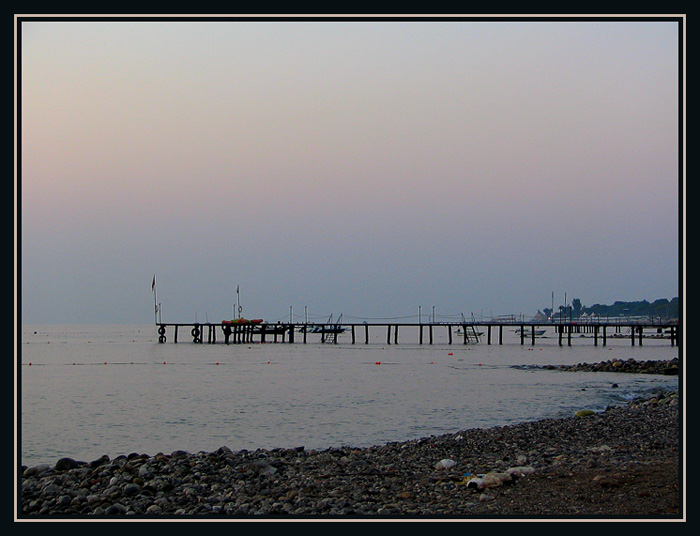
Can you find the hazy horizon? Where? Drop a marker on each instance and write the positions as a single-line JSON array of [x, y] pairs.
[[364, 168]]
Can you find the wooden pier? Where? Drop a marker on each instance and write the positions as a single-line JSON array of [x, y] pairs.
[[457, 333]]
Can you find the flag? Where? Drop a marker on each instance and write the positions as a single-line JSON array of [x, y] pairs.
[[153, 285]]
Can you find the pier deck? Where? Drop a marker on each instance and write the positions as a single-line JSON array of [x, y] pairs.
[[457, 332]]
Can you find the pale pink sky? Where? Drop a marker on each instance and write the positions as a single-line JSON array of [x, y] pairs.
[[364, 168]]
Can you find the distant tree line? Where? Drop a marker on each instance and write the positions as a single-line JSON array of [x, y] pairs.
[[661, 308]]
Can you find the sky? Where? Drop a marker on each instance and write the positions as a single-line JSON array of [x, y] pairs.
[[368, 168]]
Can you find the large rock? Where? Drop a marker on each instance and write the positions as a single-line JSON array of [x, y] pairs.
[[36, 469], [64, 464]]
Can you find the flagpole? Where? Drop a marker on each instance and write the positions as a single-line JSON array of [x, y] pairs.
[[155, 299]]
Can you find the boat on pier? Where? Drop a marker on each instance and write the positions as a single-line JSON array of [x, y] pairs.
[[242, 321]]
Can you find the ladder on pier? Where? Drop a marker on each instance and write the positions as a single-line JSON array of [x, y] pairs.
[[468, 331], [471, 334], [330, 331]]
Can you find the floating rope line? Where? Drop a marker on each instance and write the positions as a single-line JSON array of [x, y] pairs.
[[382, 317]]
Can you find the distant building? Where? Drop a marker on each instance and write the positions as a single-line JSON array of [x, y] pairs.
[[540, 317]]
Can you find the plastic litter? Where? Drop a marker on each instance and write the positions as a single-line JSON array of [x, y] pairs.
[[489, 480], [521, 471], [495, 479]]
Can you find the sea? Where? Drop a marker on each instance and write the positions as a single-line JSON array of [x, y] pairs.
[[83, 391]]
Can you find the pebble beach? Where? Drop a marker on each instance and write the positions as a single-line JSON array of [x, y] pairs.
[[623, 462]]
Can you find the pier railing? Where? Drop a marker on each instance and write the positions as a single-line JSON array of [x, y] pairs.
[[457, 332]]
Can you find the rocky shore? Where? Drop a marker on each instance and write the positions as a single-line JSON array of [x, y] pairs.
[[620, 462], [667, 367]]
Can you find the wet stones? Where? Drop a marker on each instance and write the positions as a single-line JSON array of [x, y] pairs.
[[423, 477], [665, 367]]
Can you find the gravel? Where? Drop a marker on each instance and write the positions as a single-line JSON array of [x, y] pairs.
[[622, 462]]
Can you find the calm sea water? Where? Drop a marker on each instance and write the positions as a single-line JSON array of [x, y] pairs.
[[85, 391]]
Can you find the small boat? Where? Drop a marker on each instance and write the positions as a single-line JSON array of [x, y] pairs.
[[327, 329], [527, 332], [320, 328], [477, 333], [243, 321]]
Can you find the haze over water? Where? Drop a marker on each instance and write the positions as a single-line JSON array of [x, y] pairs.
[[357, 167]]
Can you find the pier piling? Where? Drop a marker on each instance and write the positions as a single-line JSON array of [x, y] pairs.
[[246, 333]]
